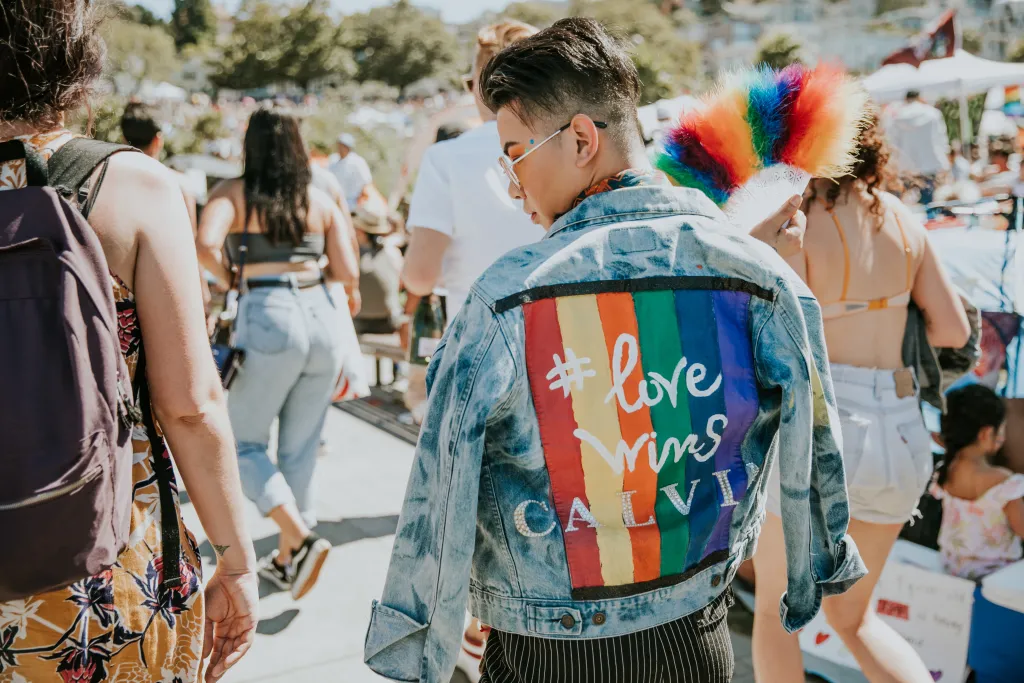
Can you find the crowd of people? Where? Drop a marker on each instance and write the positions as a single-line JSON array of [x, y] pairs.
[[790, 433]]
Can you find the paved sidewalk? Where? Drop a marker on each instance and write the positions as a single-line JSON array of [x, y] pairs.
[[360, 491]]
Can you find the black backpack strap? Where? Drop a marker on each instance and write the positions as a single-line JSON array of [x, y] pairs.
[[170, 534], [35, 167], [73, 164]]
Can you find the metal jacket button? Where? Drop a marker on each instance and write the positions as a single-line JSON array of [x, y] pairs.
[[716, 580], [568, 621], [599, 619]]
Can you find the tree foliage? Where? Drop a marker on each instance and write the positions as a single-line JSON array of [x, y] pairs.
[[192, 21], [779, 50], [399, 44], [136, 52], [274, 43], [950, 109], [1017, 53], [539, 14], [314, 51], [667, 63]]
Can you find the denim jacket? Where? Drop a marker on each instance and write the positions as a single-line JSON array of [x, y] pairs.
[[602, 417]]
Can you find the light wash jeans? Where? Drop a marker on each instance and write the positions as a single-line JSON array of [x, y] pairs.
[[292, 362]]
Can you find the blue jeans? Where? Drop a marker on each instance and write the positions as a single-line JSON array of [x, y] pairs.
[[292, 362]]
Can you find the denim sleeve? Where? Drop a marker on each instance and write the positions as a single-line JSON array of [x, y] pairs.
[[821, 557], [416, 627]]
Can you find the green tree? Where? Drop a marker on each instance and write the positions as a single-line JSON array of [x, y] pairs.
[[951, 113], [143, 15], [779, 50], [539, 14], [314, 51], [136, 53], [399, 44], [667, 63], [972, 41], [274, 43], [252, 55], [1017, 53], [192, 21]]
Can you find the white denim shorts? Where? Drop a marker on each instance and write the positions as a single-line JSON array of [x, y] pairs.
[[887, 451]]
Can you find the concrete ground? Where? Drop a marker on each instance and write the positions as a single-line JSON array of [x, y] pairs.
[[360, 490]]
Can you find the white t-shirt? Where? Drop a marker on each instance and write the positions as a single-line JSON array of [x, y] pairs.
[[354, 174], [918, 132], [461, 192]]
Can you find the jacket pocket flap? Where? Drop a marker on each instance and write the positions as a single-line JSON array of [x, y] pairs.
[[403, 639]]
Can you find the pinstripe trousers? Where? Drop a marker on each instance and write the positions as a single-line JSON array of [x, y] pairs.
[[694, 649]]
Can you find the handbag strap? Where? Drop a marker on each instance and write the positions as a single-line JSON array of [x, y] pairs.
[[163, 470]]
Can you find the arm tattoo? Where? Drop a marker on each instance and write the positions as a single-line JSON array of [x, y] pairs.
[[220, 549]]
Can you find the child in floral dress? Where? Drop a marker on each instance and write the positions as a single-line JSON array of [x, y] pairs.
[[982, 506]]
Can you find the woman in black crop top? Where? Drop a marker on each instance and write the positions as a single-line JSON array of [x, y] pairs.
[[290, 240]]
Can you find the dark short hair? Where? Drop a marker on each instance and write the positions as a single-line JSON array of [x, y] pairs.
[[50, 55], [913, 94], [138, 125], [570, 68]]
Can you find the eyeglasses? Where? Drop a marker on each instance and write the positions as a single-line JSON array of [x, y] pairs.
[[508, 165]]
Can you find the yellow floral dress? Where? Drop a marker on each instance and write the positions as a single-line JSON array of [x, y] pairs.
[[117, 625]]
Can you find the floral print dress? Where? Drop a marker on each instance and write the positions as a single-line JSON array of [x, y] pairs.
[[975, 538], [117, 625]]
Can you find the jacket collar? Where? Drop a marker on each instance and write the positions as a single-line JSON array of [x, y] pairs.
[[636, 203]]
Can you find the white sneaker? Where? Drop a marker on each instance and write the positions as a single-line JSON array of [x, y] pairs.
[[307, 562]]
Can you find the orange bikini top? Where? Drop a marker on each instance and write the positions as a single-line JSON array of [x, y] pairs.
[[844, 306]]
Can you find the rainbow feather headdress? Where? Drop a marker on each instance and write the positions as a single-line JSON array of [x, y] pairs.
[[762, 135]]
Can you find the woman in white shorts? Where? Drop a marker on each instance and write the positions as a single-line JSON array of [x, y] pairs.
[[865, 257]]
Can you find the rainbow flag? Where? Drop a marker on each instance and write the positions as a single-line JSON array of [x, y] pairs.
[[643, 399], [1011, 101]]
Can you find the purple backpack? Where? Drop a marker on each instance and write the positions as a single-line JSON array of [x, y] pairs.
[[67, 407]]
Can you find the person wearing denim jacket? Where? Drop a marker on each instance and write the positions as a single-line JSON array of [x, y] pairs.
[[604, 411]]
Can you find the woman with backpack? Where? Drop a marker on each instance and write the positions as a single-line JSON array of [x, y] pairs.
[[277, 229], [104, 318]]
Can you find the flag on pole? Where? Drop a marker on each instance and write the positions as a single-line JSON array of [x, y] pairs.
[[939, 40]]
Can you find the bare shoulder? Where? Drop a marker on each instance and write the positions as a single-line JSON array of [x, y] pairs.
[[321, 210], [231, 188], [994, 476]]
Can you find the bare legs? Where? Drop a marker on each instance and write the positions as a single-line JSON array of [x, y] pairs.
[[883, 655]]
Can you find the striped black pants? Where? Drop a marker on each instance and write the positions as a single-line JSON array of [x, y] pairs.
[[694, 649]]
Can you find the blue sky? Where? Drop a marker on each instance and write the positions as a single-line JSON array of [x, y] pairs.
[[455, 11]]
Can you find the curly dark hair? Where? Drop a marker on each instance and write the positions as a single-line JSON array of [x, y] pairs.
[[50, 55], [872, 168], [969, 409], [277, 175]]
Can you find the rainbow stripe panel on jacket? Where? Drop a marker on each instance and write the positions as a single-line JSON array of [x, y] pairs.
[[643, 399]]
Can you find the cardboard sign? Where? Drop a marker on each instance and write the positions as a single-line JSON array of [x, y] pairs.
[[931, 610]]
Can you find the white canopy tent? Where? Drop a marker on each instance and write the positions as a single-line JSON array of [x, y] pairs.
[[962, 74], [959, 76]]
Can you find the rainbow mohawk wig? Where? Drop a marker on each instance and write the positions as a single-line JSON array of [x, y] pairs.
[[763, 133]]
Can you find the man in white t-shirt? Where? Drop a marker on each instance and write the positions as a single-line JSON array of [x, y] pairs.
[[918, 133], [461, 216], [462, 220], [350, 169]]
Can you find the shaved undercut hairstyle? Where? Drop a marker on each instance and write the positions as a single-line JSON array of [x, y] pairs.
[[573, 67]]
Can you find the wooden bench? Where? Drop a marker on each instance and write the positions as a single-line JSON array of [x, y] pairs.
[[382, 347]]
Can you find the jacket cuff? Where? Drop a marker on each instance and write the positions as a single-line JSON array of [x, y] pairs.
[[394, 644], [850, 568]]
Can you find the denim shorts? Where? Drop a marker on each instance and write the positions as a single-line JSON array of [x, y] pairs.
[[887, 452]]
